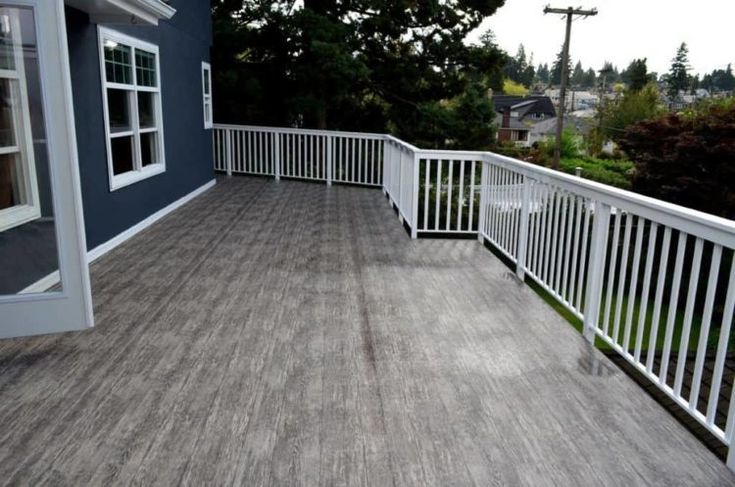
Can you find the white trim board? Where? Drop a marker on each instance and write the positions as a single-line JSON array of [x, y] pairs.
[[52, 279]]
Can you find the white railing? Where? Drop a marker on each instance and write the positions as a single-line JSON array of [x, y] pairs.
[[340, 157], [654, 281]]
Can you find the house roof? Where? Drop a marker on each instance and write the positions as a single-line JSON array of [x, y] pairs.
[[548, 127], [525, 104]]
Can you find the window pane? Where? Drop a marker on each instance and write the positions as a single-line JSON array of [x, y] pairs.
[[146, 110], [149, 148], [145, 65], [118, 105], [205, 74], [10, 186], [7, 105], [28, 243], [122, 154], [6, 43], [118, 65], [207, 111]]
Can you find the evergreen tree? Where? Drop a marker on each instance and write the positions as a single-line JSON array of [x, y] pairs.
[[555, 75], [578, 75], [365, 64], [636, 75], [542, 73], [590, 79], [678, 78]]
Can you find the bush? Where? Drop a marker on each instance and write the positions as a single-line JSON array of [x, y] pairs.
[[687, 159], [570, 148], [615, 172]]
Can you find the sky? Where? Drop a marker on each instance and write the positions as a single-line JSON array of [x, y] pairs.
[[623, 30]]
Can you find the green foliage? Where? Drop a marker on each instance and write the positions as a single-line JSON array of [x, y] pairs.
[[636, 76], [578, 75], [510, 87], [519, 69], [719, 80], [615, 172], [678, 78], [570, 147], [368, 65], [687, 158], [543, 74], [629, 108], [556, 68]]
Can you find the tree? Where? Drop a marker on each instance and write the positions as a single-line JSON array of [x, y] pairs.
[[555, 76], [678, 78], [687, 158], [719, 80], [360, 65], [636, 75], [590, 79], [578, 75], [520, 69], [510, 87], [543, 74], [630, 108]]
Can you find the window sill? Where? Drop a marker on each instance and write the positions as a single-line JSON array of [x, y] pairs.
[[18, 215], [132, 177]]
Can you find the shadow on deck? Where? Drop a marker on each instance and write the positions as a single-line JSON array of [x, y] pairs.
[[287, 333]]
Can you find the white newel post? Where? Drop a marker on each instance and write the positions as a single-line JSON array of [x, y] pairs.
[[415, 196], [596, 270], [483, 203], [399, 187], [330, 159], [523, 230], [276, 141], [386, 165], [228, 152]]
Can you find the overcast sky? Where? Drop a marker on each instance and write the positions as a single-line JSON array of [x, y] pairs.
[[623, 30]]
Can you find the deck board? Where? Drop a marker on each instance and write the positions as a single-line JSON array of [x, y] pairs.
[[287, 333]]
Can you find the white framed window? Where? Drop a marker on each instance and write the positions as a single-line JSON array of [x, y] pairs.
[[132, 106], [19, 197], [207, 95]]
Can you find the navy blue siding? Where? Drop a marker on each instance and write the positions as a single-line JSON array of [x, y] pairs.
[[183, 42]]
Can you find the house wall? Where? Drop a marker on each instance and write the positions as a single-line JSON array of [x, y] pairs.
[[184, 42]]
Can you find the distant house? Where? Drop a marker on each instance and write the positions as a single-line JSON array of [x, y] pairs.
[[575, 100], [516, 116], [580, 126]]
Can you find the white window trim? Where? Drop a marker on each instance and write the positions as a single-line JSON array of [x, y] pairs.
[[207, 97], [125, 179], [31, 209]]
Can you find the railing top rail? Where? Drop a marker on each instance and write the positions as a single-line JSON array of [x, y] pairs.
[[398, 141], [261, 128], [710, 227]]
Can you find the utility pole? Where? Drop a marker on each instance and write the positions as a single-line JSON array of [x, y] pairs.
[[570, 12]]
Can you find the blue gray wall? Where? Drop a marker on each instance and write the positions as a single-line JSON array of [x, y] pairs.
[[183, 42]]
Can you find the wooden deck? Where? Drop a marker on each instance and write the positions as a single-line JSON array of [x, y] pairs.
[[288, 333]]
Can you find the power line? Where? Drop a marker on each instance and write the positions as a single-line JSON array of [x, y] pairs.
[[570, 13]]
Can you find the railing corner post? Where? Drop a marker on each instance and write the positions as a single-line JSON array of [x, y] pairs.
[[228, 152], [593, 294], [523, 229], [483, 203], [277, 156], [415, 195], [731, 457], [330, 159]]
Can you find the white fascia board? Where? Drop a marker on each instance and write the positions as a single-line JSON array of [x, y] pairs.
[[124, 11]]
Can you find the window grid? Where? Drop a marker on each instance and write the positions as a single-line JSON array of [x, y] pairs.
[[207, 95], [143, 154]]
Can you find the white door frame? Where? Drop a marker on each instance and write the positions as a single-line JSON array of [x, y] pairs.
[[71, 307]]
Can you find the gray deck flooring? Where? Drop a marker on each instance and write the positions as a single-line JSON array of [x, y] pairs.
[[288, 333]]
